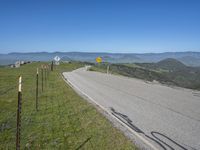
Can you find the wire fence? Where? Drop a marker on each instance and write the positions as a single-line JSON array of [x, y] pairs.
[[55, 120]]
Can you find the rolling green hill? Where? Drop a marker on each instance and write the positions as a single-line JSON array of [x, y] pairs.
[[168, 71], [168, 64]]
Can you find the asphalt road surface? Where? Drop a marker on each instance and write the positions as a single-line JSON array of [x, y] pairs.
[[167, 117]]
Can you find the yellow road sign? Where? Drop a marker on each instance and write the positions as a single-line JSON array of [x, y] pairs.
[[98, 59]]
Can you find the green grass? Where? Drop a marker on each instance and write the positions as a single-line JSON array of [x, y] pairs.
[[131, 71], [99, 69], [132, 65], [187, 77], [64, 119], [138, 65]]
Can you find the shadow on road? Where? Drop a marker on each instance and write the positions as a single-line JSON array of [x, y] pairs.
[[159, 138]]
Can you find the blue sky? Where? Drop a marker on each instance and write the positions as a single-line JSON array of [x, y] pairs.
[[99, 26]]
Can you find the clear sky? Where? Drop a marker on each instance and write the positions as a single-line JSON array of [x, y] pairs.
[[99, 25]]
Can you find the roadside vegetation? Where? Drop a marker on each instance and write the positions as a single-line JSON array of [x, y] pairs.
[[168, 71], [64, 119]]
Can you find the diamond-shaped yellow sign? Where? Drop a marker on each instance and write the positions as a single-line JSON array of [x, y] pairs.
[[98, 59]]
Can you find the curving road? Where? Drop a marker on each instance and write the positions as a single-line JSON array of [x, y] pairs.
[[166, 117]]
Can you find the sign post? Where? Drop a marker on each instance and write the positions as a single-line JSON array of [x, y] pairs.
[[52, 66], [108, 67]]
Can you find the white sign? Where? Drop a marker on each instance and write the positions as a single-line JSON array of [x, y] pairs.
[[57, 58]]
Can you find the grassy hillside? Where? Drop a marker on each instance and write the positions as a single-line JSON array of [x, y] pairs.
[[168, 65], [169, 71], [64, 119]]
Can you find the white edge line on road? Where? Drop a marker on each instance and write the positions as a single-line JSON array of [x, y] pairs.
[[104, 109]]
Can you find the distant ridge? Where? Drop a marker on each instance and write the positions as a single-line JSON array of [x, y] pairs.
[[187, 58], [171, 64]]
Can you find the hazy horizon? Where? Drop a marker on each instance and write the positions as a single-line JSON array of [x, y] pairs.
[[103, 52]]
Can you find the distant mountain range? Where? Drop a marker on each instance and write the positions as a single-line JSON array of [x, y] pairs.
[[188, 58]]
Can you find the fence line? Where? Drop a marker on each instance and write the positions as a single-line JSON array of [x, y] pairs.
[[47, 104]]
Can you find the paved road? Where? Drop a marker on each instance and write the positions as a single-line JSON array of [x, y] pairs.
[[167, 117]]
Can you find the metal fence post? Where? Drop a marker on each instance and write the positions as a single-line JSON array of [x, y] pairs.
[[19, 113], [42, 79], [37, 90], [47, 71], [45, 75]]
